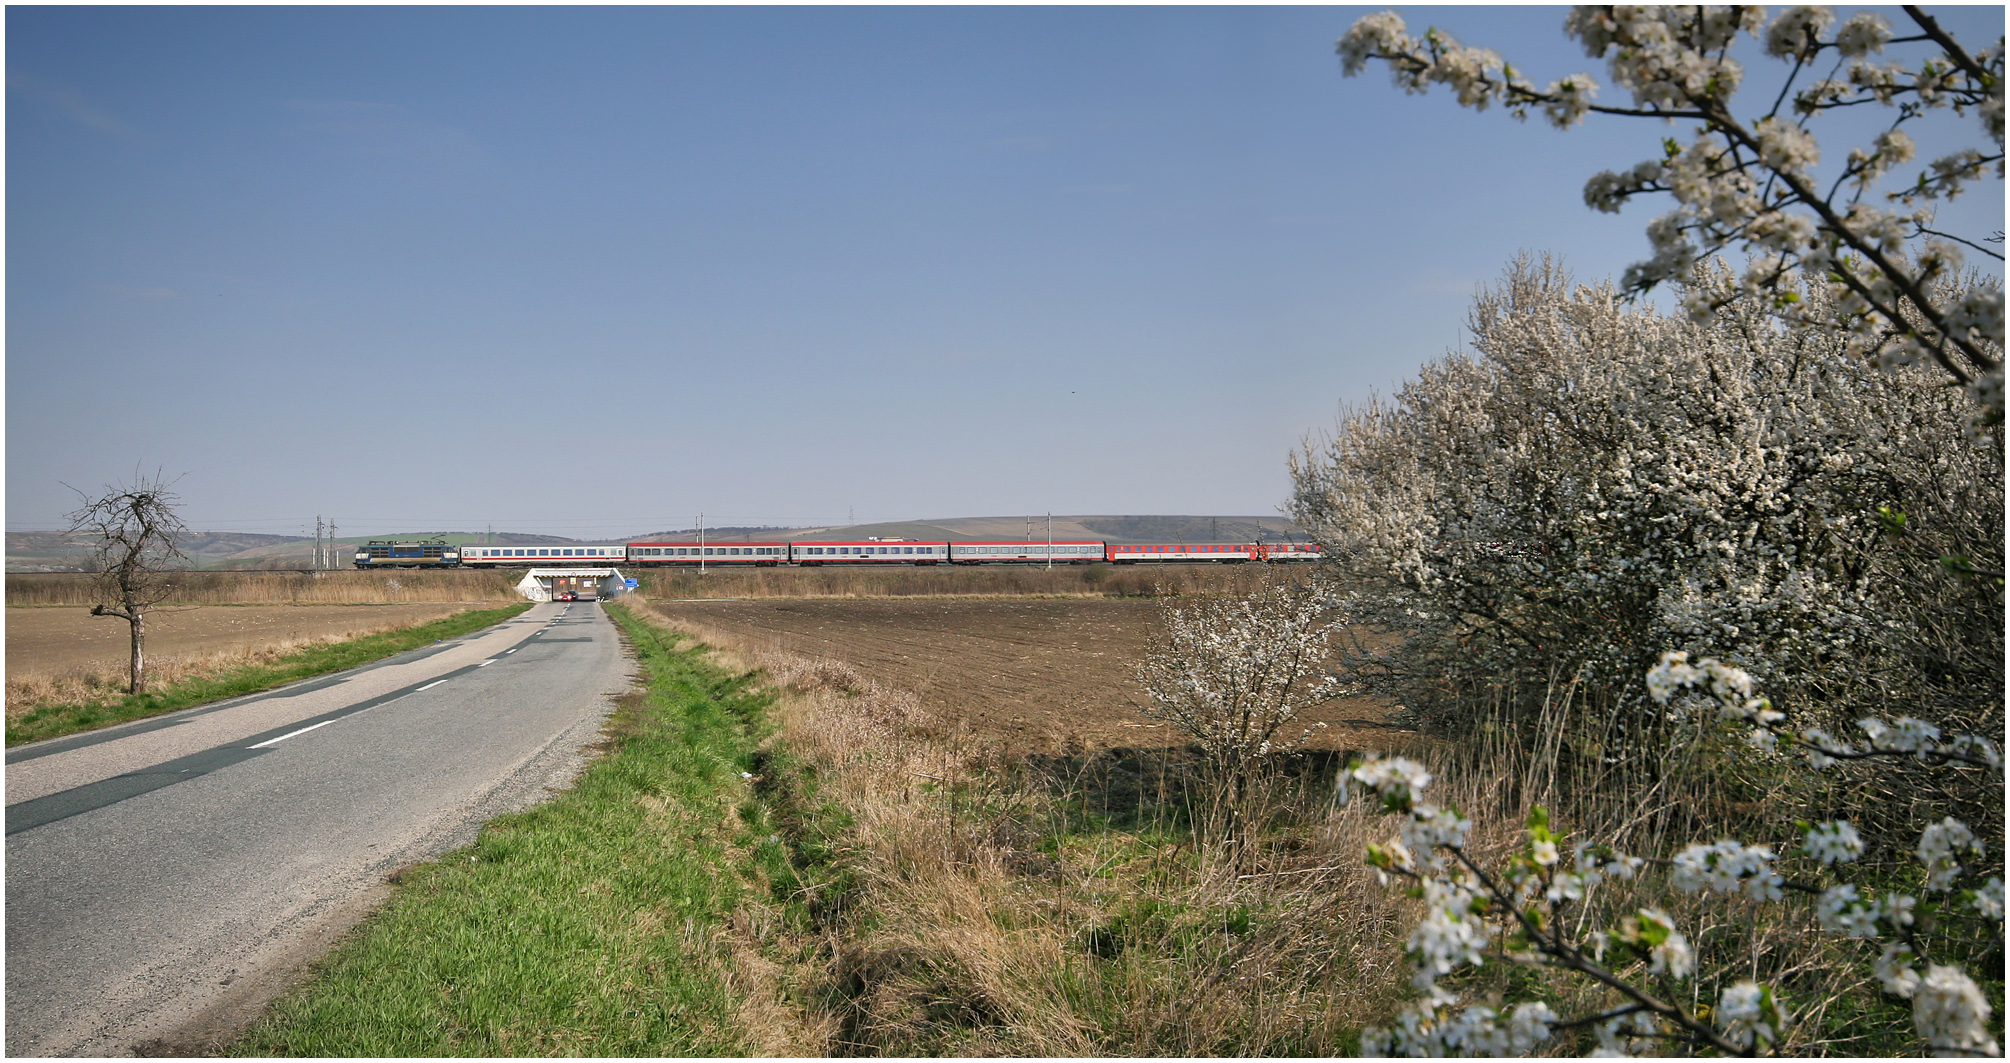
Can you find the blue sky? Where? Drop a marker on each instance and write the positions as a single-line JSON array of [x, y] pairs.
[[591, 271]]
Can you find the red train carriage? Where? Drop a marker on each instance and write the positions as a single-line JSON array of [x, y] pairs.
[[870, 552], [1226, 553], [1015, 552], [746, 555]]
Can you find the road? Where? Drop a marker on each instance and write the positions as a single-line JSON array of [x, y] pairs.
[[167, 877]]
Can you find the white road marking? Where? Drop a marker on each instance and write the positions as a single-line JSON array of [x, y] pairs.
[[512, 650], [430, 685], [488, 662], [290, 734]]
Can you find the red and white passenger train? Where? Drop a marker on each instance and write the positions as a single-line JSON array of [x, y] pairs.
[[879, 552]]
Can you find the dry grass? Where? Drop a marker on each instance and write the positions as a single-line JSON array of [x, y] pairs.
[[1055, 906], [106, 684], [499, 585], [1095, 581], [257, 588]]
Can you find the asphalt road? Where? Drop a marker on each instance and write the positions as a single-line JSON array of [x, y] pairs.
[[167, 877]]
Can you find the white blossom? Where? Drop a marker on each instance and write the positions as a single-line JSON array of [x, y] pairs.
[[1429, 828], [1786, 147], [1863, 34], [1449, 935], [1671, 956], [1834, 843], [1728, 867], [1393, 776], [1747, 1014], [1895, 910], [1951, 1013], [1797, 31], [1895, 971], [1840, 910], [1989, 899], [1938, 844]]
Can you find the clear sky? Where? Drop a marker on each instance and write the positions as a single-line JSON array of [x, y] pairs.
[[591, 271]]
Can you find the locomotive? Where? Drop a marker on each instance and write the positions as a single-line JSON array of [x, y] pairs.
[[408, 553]]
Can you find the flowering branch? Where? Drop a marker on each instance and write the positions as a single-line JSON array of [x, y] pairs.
[[1748, 185]]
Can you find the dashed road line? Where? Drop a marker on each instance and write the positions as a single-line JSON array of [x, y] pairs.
[[284, 737]]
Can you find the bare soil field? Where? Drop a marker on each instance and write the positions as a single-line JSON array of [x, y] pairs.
[[1030, 675], [52, 641]]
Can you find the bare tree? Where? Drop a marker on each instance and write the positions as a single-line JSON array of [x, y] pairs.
[[134, 528]]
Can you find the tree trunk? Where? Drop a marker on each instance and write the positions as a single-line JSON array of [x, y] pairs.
[[139, 625]]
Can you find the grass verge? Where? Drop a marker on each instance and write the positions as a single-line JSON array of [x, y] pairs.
[[56, 720], [615, 920]]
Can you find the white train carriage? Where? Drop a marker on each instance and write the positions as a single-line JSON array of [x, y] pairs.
[[694, 555], [870, 552], [598, 555], [1073, 552]]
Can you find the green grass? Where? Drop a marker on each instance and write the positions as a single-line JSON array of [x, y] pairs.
[[597, 924], [54, 721]]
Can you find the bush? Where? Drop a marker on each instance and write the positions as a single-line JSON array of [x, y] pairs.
[[1597, 484]]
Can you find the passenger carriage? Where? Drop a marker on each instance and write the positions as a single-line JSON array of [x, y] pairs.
[[1226, 553], [592, 556], [870, 552], [1073, 552], [693, 555]]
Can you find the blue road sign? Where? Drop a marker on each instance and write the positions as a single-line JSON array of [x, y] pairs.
[[631, 583]]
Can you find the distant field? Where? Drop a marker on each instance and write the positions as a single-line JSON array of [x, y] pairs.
[[55, 641], [247, 588]]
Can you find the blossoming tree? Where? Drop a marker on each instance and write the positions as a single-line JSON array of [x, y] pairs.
[[1750, 182], [1234, 674], [1596, 483]]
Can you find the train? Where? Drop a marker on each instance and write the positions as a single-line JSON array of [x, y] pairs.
[[435, 553], [408, 553]]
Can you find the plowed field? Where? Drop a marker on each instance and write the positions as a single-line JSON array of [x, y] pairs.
[[1028, 674]]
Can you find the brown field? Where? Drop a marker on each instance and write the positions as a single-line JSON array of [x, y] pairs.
[[264, 588], [1024, 674], [51, 642]]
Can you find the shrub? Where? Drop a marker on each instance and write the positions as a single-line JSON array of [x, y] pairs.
[[1596, 484]]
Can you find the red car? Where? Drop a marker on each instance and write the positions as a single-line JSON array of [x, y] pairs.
[[567, 596]]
